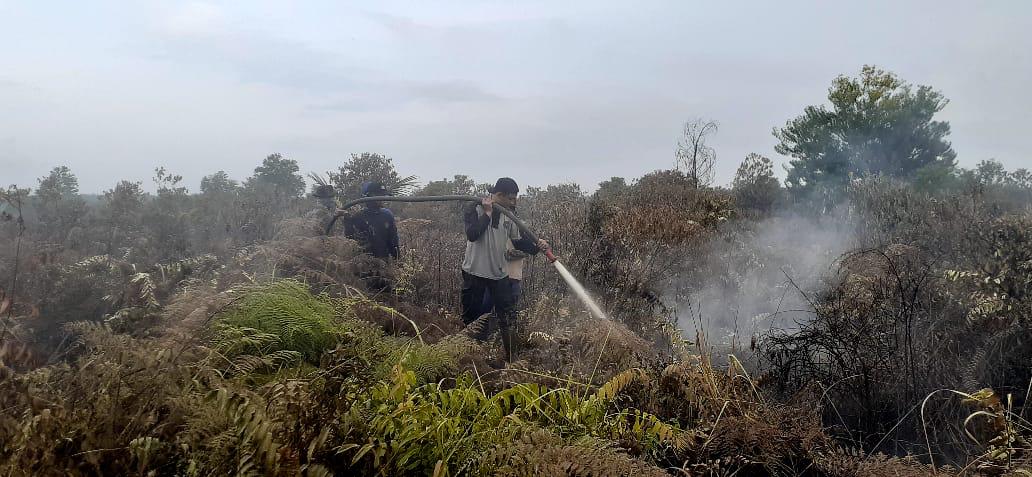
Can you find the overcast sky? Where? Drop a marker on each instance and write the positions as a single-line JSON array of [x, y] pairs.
[[545, 92]]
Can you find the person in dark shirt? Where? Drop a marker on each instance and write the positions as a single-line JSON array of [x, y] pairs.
[[374, 226], [485, 266]]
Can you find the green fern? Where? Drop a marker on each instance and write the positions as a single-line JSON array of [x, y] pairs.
[[236, 435], [281, 316], [406, 428], [431, 363]]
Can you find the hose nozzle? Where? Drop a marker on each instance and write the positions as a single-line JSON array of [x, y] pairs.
[[550, 256]]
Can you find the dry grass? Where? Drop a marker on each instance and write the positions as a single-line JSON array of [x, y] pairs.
[[178, 373]]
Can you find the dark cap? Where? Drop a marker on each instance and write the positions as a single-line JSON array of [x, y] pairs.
[[324, 192], [373, 189], [505, 185]]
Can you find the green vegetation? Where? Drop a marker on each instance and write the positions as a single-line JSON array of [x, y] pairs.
[[364, 167], [282, 318], [877, 125], [878, 328]]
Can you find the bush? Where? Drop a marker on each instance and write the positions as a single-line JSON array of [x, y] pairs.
[[282, 316]]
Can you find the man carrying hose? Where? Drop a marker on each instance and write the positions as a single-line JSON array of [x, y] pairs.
[[514, 267], [374, 228], [485, 267]]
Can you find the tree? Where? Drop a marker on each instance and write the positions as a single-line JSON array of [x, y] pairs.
[[168, 184], [611, 188], [218, 183], [1022, 178], [219, 211], [991, 172], [59, 184], [124, 200], [754, 185], [58, 202], [990, 177], [273, 191], [694, 155], [459, 185], [937, 180], [877, 124], [122, 211], [348, 179], [280, 175], [166, 217]]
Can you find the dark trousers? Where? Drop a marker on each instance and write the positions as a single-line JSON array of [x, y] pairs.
[[473, 290], [517, 291]]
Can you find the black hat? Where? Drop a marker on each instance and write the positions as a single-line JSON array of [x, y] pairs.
[[373, 189], [324, 192], [505, 185]]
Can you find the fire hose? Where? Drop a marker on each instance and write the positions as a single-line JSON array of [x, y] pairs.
[[524, 231]]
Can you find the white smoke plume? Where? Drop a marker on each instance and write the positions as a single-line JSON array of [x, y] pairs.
[[758, 276]]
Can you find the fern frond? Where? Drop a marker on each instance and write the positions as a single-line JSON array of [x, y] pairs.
[[439, 360], [618, 383], [478, 326], [144, 290], [282, 315]]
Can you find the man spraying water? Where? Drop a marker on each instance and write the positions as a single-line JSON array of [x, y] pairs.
[[485, 266], [490, 226]]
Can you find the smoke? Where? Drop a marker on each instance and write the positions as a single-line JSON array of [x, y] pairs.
[[758, 276]]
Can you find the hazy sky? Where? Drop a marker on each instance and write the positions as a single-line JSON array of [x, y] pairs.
[[545, 92]]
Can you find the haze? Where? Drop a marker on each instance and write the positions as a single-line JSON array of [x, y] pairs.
[[546, 92]]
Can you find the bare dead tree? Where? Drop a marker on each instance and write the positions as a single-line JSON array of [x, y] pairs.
[[693, 155]]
